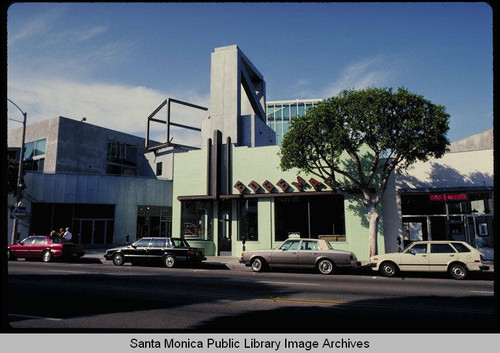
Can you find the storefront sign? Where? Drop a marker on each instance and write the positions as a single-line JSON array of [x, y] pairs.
[[448, 197]]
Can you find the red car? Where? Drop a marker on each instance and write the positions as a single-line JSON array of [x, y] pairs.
[[45, 248]]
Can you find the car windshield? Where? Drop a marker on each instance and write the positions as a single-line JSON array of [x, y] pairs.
[[180, 243], [142, 243]]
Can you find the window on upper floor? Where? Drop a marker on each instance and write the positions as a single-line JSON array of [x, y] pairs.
[[34, 155], [121, 158], [159, 168]]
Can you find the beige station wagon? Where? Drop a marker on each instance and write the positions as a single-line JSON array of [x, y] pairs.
[[300, 253], [455, 257]]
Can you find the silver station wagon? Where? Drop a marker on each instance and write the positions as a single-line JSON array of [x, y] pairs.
[[300, 253], [455, 257]]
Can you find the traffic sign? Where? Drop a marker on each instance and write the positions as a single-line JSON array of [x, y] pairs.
[[18, 212]]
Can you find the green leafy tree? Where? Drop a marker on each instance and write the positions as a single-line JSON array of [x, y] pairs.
[[355, 140]]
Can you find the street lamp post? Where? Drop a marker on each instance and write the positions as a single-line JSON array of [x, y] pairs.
[[20, 171]]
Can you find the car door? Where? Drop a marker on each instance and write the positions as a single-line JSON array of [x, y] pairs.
[[308, 253], [38, 246], [138, 251], [23, 248], [156, 249], [441, 254], [286, 254], [415, 258]]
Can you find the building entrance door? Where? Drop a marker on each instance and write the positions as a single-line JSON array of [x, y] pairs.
[[224, 228]]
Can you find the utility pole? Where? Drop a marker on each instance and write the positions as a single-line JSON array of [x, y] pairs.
[[19, 173]]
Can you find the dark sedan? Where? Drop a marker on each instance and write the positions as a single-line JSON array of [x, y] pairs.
[[168, 251], [300, 253], [45, 248]]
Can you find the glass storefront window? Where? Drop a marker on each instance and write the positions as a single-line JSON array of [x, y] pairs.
[[310, 217], [456, 207], [452, 215], [154, 221], [89, 223], [420, 204], [196, 220]]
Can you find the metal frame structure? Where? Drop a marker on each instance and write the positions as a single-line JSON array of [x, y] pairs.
[[169, 123]]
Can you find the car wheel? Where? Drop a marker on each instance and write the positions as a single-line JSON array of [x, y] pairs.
[[258, 264], [458, 271], [169, 261], [325, 267], [46, 256], [118, 259], [388, 269]]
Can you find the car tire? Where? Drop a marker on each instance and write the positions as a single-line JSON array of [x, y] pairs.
[[118, 259], [169, 261], [388, 269], [325, 266], [46, 256], [457, 271], [258, 264]]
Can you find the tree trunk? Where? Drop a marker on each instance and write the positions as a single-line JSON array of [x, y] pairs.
[[373, 230]]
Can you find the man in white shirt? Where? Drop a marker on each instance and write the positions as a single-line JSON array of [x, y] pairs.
[[67, 235]]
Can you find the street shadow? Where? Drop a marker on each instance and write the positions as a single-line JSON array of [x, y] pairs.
[[86, 295], [81, 260], [417, 314], [83, 295]]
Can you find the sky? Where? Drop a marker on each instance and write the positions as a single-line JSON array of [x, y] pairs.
[[115, 63]]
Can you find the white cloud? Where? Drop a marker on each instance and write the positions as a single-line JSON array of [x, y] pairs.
[[374, 71], [117, 107], [87, 34]]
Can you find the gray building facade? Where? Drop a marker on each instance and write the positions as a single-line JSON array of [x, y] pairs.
[[101, 183]]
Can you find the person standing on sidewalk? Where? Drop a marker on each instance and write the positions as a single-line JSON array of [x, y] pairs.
[[67, 235]]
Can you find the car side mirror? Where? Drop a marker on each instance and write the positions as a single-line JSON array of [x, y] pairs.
[[412, 252], [134, 246]]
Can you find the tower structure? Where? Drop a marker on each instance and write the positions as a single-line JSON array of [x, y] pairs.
[[237, 100]]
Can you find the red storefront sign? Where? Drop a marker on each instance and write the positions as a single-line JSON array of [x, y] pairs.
[[448, 197]]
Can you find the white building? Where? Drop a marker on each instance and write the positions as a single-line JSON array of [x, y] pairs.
[[446, 198]]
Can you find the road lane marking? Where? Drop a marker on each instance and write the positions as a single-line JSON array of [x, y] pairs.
[[373, 305], [35, 317], [303, 301], [291, 283], [272, 282]]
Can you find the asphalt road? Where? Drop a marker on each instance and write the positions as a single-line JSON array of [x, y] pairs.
[[91, 296]]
